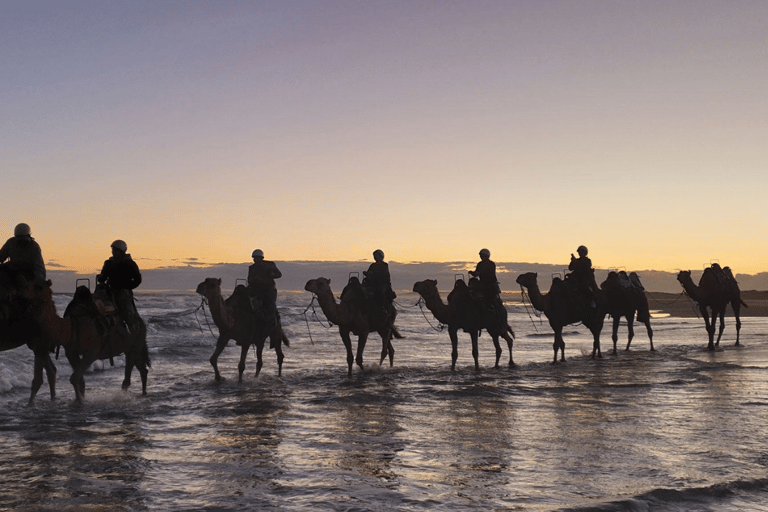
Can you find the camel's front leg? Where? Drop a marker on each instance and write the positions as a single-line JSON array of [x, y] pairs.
[[497, 346], [348, 345], [738, 328], [510, 342], [386, 337], [453, 333], [276, 339], [42, 362], [221, 343], [722, 326], [710, 326]]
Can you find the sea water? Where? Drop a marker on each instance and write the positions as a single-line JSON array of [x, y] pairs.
[[681, 428]]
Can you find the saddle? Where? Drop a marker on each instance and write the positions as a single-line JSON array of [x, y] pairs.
[[98, 306]]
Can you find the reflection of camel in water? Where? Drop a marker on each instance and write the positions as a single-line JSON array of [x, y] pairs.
[[462, 312], [18, 328], [86, 338], [561, 308], [624, 295], [716, 289], [236, 321], [354, 314]]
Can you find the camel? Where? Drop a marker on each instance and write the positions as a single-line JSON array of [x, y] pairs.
[[87, 336], [352, 316], [561, 309], [236, 320], [17, 328], [625, 296], [717, 288], [462, 312]]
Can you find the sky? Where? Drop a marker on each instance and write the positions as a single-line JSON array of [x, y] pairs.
[[322, 130]]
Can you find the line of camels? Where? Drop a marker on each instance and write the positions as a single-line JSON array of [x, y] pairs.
[[28, 316]]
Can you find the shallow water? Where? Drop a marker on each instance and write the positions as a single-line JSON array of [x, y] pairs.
[[676, 429]]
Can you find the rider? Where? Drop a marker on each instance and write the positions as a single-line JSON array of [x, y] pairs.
[[582, 271], [485, 271], [121, 276], [261, 286], [24, 254], [377, 280]]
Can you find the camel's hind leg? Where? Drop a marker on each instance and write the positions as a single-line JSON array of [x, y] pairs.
[[630, 331], [615, 332], [559, 344], [276, 340], [475, 351], [386, 347], [650, 334], [348, 345], [510, 342], [259, 355], [361, 340], [43, 362], [241, 365], [221, 343]]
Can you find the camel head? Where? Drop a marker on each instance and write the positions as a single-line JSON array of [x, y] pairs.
[[210, 287], [318, 285], [40, 293], [684, 276], [426, 287], [528, 279]]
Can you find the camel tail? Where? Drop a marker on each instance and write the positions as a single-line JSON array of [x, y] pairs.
[[510, 331], [396, 333], [743, 303], [285, 340]]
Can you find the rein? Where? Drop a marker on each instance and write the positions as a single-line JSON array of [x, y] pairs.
[[420, 303], [526, 303], [314, 313]]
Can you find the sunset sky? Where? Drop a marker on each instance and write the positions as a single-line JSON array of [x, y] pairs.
[[322, 130]]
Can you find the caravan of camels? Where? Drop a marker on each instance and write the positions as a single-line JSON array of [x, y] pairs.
[[90, 328]]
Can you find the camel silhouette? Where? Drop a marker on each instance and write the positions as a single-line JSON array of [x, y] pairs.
[[462, 312], [561, 308], [357, 315], [236, 320], [624, 296], [717, 288], [86, 336]]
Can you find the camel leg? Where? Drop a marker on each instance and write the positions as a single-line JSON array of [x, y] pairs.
[[498, 349], [559, 344], [277, 341], [738, 323], [221, 343], [259, 357], [475, 352], [630, 331], [50, 370], [391, 350], [510, 341], [130, 362], [37, 379], [709, 325], [454, 335], [650, 334], [241, 365], [348, 345], [77, 376], [596, 344], [615, 332], [722, 326], [386, 336], [361, 341]]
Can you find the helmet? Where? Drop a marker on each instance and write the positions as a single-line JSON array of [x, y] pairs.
[[378, 255], [257, 253], [485, 253], [22, 230], [120, 246], [581, 250]]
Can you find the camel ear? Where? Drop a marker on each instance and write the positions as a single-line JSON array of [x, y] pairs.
[[49, 283]]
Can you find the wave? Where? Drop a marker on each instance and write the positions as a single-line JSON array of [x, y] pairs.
[[736, 495]]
